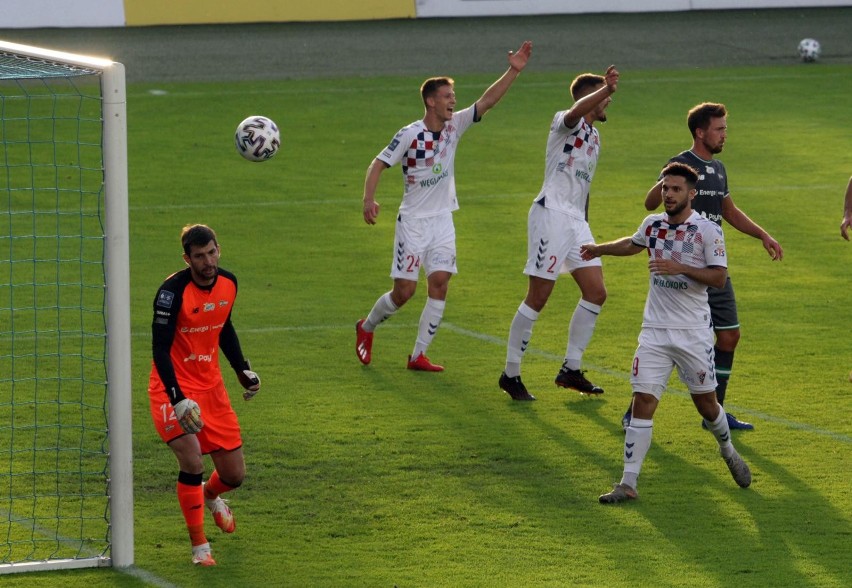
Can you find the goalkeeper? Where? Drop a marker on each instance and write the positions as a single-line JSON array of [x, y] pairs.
[[189, 403]]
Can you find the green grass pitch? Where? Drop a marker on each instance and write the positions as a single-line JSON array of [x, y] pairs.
[[377, 476]]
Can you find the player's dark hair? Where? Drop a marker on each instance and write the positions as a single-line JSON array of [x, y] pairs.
[[699, 116], [430, 87], [197, 235], [687, 172], [585, 84]]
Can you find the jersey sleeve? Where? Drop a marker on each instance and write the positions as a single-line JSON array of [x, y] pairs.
[[230, 345], [463, 119], [167, 305], [395, 150], [724, 173], [640, 238], [558, 126]]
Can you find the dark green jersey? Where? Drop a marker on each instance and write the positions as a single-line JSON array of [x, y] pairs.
[[712, 186]]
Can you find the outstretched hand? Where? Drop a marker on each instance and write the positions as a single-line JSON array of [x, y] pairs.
[[611, 78], [589, 251], [518, 59]]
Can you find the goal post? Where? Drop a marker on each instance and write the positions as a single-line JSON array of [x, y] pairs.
[[66, 475]]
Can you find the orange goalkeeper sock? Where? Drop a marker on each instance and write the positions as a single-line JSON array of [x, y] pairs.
[[191, 499], [215, 486]]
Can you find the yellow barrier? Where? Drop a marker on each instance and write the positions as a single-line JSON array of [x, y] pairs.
[[171, 12]]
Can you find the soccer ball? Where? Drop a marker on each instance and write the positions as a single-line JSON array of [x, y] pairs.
[[809, 49], [257, 138]]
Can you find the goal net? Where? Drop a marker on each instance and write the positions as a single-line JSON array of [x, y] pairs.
[[65, 452]]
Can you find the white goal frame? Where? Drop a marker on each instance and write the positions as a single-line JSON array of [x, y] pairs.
[[117, 294]]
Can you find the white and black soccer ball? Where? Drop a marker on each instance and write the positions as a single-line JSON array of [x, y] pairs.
[[257, 138], [809, 50]]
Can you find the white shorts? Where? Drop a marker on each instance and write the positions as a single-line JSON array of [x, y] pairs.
[[553, 243], [430, 242], [660, 350]]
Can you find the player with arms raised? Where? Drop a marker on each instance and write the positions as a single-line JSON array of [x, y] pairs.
[[425, 235], [557, 225]]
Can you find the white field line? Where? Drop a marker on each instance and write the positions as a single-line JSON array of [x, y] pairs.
[[50, 533], [354, 202], [754, 415], [641, 78]]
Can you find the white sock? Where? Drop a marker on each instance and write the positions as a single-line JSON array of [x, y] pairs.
[[722, 432], [519, 337], [382, 310], [580, 332], [430, 320], [637, 441]]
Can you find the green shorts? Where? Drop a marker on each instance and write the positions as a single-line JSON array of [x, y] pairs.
[[723, 307]]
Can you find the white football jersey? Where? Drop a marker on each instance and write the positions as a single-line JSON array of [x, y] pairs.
[[570, 162], [428, 165], [678, 302]]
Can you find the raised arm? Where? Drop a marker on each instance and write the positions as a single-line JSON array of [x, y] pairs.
[[517, 62], [741, 222], [847, 212], [589, 102]]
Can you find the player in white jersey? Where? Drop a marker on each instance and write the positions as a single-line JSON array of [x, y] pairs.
[[708, 125], [425, 236], [556, 227], [686, 255]]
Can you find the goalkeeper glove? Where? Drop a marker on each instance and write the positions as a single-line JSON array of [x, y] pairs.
[[188, 415], [248, 380]]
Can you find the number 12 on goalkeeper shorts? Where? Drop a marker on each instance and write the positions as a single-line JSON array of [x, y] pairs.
[[168, 412]]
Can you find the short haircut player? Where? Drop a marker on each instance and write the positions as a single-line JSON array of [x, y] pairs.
[[430, 87], [699, 116], [687, 172], [584, 84], [197, 236]]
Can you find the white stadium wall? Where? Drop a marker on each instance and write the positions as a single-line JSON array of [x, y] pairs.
[[445, 8], [118, 13]]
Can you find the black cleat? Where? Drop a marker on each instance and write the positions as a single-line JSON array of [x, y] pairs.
[[734, 424], [514, 387], [625, 420], [567, 378]]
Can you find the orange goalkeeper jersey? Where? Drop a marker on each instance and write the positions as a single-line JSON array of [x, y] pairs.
[[188, 323]]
